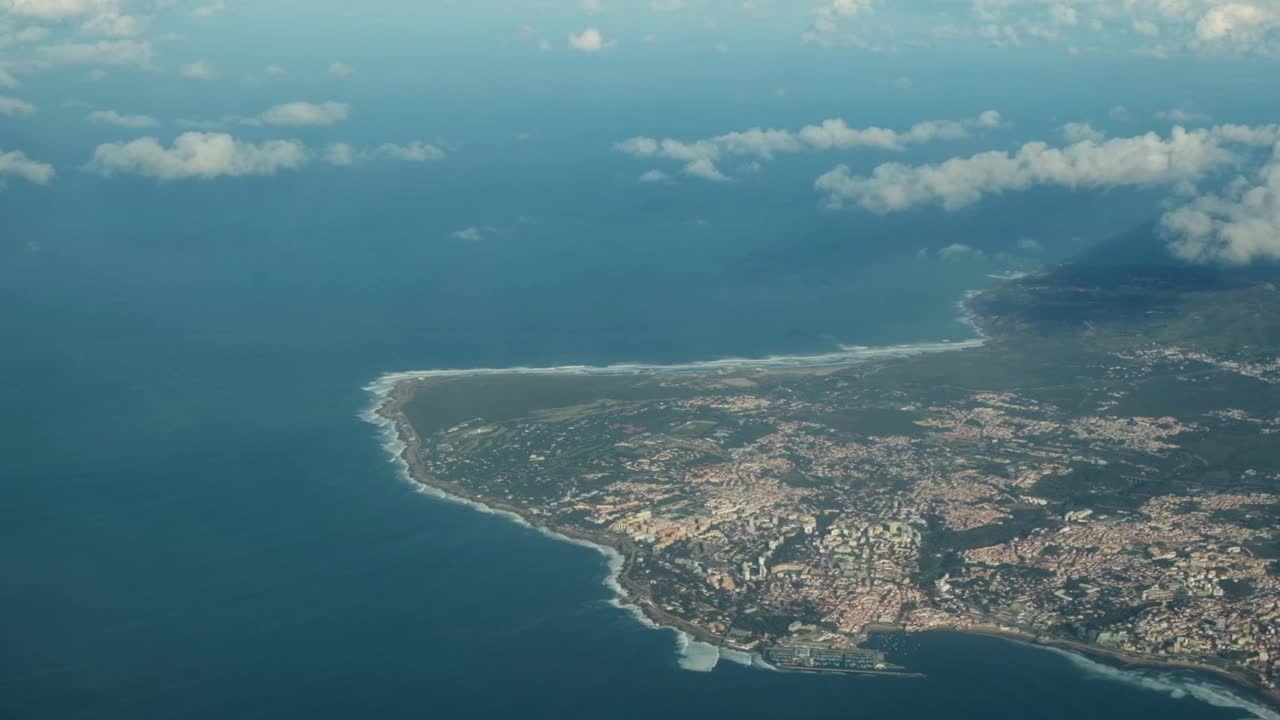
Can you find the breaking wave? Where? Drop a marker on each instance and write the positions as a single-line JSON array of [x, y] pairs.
[[846, 355], [1173, 684], [695, 655]]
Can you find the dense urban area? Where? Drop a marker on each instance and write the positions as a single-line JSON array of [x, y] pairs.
[[1104, 471]]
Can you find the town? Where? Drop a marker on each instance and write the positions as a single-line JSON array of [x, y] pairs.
[[1044, 490]]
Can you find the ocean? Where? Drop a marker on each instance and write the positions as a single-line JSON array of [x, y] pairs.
[[196, 523]]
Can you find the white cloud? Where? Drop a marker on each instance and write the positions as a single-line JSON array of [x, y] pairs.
[[46, 9], [25, 36], [16, 163], [705, 169], [12, 106], [275, 71], [1146, 27], [957, 251], [106, 52], [99, 17], [654, 176], [473, 234], [828, 27], [765, 143], [343, 154], [7, 80], [114, 24], [847, 8], [341, 70], [198, 70], [1000, 35], [340, 154], [1064, 14], [1042, 32], [1182, 117], [1081, 132], [1238, 226], [1234, 22], [588, 41], [111, 117], [1204, 26], [416, 151], [835, 134], [212, 8], [198, 155], [990, 10], [639, 146], [305, 113], [1145, 160]]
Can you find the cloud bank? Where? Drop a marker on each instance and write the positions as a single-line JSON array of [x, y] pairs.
[[111, 117], [17, 164], [343, 154], [416, 151], [700, 156], [12, 106], [96, 17], [198, 70], [588, 41], [305, 113], [1145, 160], [1236, 227], [118, 52], [197, 155]]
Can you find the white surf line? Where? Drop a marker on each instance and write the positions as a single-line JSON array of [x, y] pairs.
[[1176, 685], [693, 654], [396, 448], [847, 355]]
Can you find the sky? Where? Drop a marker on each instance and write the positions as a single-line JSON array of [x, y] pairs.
[[869, 108]]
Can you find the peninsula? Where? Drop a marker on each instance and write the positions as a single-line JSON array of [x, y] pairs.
[[1103, 472]]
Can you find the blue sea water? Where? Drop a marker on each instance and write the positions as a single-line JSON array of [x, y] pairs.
[[194, 523]]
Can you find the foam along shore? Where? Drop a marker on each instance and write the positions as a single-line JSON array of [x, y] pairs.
[[1165, 681], [846, 355], [694, 654], [1172, 679], [699, 656], [1214, 686], [395, 443]]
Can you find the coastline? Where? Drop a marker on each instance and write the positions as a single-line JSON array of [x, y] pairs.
[[1124, 658], [391, 390], [401, 443], [847, 355], [1084, 650]]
